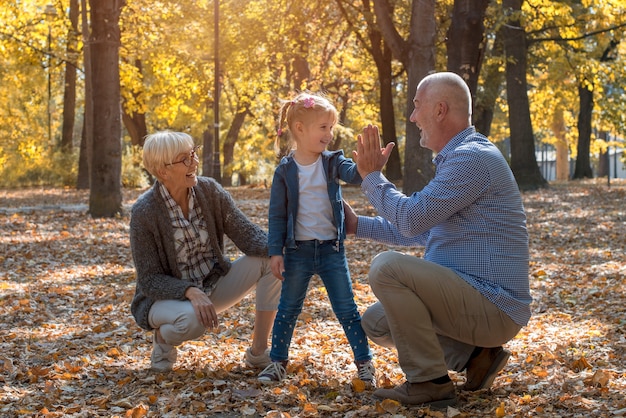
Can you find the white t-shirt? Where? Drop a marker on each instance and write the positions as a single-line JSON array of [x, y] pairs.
[[315, 213]]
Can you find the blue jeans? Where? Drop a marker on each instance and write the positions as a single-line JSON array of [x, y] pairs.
[[328, 261]]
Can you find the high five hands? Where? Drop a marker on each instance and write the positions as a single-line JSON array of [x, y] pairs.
[[369, 156]]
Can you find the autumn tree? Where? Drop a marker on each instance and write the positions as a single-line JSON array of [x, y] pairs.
[[371, 39], [465, 43], [571, 52], [83, 179], [586, 93], [69, 86], [416, 52], [105, 198], [489, 90], [523, 159]]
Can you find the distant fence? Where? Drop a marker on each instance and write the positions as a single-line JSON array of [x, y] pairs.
[[546, 159]]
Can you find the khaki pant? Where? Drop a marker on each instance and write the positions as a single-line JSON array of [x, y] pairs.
[[177, 320], [433, 317]]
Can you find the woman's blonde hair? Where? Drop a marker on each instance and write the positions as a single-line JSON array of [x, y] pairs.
[[300, 109], [160, 149]]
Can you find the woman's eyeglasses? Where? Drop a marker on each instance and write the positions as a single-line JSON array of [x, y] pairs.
[[188, 160]]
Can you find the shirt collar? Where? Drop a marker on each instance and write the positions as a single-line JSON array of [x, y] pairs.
[[453, 143], [171, 204]]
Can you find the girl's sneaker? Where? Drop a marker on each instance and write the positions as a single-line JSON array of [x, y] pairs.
[[257, 362], [274, 372], [366, 372]]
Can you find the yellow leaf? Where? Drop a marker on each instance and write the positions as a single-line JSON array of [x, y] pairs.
[[309, 409], [358, 385], [114, 352], [580, 365], [124, 381], [525, 399], [500, 412], [277, 414], [72, 368], [137, 412], [390, 406]]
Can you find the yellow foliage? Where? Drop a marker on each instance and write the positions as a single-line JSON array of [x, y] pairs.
[[500, 411]]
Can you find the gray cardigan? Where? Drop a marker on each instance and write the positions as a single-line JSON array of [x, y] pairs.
[[152, 243]]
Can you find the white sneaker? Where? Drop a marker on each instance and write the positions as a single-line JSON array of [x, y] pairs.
[[274, 372], [366, 372], [163, 356]]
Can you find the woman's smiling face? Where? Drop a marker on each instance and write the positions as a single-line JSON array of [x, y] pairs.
[[182, 171]]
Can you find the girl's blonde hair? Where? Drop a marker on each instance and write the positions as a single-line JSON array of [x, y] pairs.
[[160, 149], [300, 109]]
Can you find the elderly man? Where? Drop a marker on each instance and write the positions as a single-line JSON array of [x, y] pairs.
[[454, 308]]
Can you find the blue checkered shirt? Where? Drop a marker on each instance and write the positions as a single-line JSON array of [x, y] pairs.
[[469, 217]]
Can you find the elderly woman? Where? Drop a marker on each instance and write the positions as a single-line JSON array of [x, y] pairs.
[[184, 279]]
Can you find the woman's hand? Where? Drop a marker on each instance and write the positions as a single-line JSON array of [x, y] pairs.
[[202, 306], [277, 264]]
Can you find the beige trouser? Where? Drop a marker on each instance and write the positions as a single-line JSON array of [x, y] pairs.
[[177, 321], [433, 317]]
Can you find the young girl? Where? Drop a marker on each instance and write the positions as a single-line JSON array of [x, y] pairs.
[[306, 229]]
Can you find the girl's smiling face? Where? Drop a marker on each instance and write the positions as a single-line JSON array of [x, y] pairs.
[[313, 136]]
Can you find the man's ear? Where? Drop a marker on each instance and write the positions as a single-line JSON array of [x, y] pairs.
[[442, 110]]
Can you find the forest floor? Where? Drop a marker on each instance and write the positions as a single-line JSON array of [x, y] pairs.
[[69, 346]]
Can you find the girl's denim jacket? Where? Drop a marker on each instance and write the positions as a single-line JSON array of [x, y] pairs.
[[283, 209]]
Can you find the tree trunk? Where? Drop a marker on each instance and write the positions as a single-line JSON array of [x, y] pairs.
[[105, 199], [229, 144], [491, 89], [69, 90], [207, 156], [86, 142], [135, 123], [82, 182], [417, 55], [523, 159], [604, 163], [562, 149], [383, 57], [583, 160], [465, 42]]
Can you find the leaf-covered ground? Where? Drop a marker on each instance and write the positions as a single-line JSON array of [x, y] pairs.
[[69, 347]]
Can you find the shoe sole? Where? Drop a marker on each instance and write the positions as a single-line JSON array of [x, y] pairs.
[[443, 404], [268, 382], [491, 375], [439, 404]]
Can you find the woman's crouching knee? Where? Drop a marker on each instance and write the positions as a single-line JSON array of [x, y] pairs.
[[185, 327]]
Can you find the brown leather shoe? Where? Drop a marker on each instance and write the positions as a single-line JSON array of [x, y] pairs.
[[422, 393], [483, 369]]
